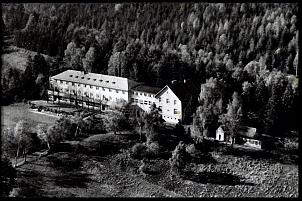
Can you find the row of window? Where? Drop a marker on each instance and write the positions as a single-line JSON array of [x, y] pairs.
[[97, 88], [141, 93], [167, 100], [135, 100], [256, 142], [174, 110], [88, 78], [167, 117]]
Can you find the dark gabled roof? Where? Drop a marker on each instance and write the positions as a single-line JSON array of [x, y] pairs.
[[183, 90], [145, 88], [249, 132]]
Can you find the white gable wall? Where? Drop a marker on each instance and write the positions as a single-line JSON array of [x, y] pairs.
[[171, 111], [219, 134]]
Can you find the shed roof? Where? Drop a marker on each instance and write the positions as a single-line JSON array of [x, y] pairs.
[[95, 79]]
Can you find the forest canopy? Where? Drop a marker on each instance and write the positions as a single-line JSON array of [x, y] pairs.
[[250, 48]]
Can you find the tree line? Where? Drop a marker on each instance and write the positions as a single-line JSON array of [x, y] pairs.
[[247, 48]]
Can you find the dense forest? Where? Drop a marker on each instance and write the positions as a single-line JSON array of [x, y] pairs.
[[243, 56]]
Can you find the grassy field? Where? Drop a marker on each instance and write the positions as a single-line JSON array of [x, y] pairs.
[[115, 174], [17, 57], [11, 114]]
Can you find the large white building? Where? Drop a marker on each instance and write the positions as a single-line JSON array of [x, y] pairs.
[[102, 91]]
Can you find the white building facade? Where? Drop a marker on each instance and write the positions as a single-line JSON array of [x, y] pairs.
[[101, 91], [170, 105]]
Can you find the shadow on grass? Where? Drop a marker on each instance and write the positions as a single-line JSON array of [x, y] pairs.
[[72, 180], [203, 159], [64, 162], [30, 184], [273, 157], [214, 178]]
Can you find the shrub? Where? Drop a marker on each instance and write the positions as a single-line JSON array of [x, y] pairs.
[[191, 150], [153, 149], [139, 151], [177, 160]]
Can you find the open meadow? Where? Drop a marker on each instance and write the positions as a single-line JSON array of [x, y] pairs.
[[85, 169], [13, 113]]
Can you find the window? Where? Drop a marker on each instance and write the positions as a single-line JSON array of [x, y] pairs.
[[145, 94], [136, 100], [70, 75], [97, 88], [103, 89], [113, 82], [146, 102], [219, 137], [149, 95], [116, 91], [159, 99], [141, 94], [79, 85], [149, 102], [88, 78], [136, 93], [167, 101], [132, 99], [82, 77], [140, 101], [123, 92], [94, 79], [76, 76], [175, 111], [73, 84], [174, 102], [109, 90], [61, 82], [160, 107], [91, 87]]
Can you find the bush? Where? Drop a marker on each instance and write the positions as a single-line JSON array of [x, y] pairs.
[[178, 158], [153, 149], [192, 151], [139, 151]]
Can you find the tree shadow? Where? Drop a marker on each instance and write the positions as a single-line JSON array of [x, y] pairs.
[[30, 185], [214, 178], [64, 162], [269, 156], [72, 180], [203, 159]]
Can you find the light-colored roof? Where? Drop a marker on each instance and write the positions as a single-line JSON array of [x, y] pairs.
[[95, 79]]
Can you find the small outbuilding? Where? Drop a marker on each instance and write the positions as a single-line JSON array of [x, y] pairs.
[[247, 136]]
